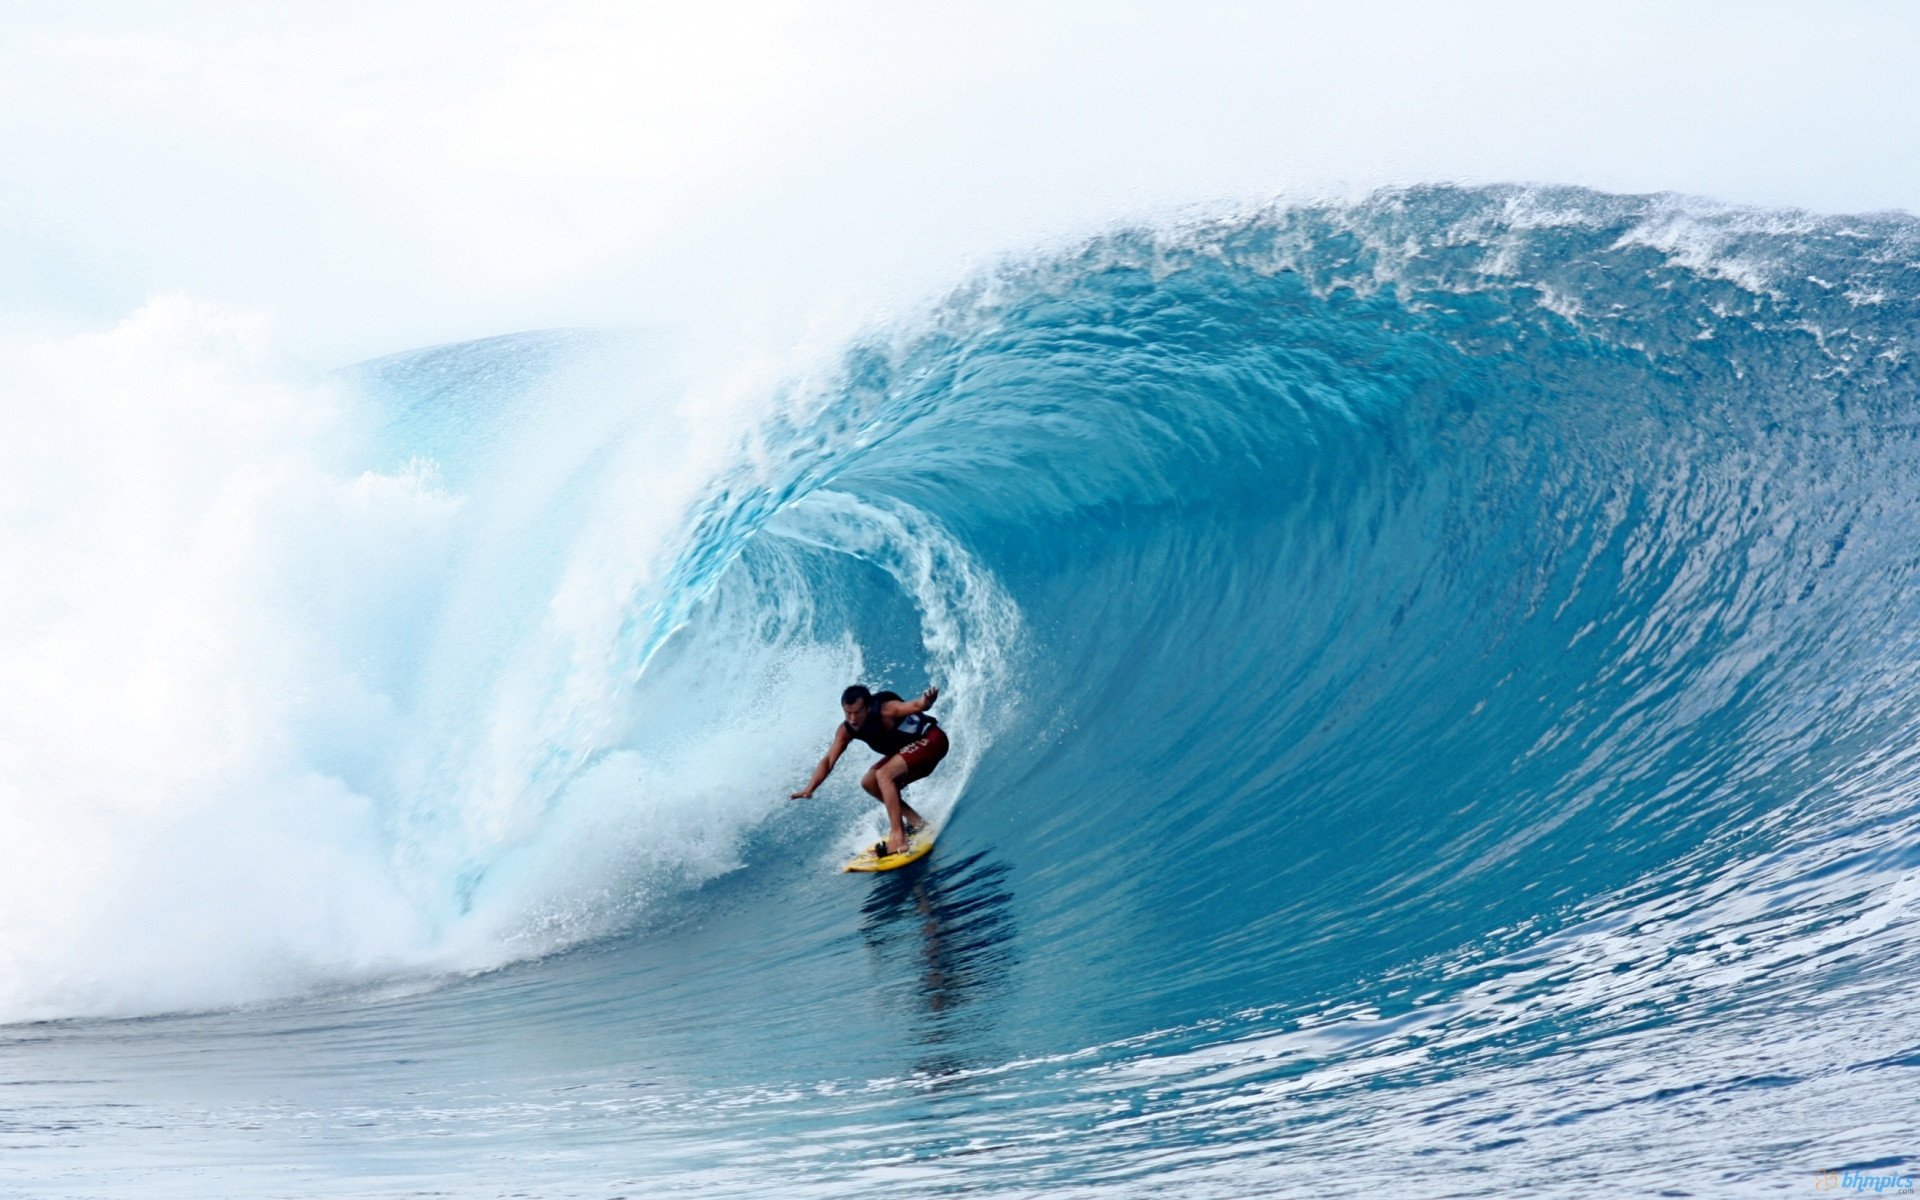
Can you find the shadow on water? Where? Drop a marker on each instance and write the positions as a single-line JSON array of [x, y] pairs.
[[953, 921]]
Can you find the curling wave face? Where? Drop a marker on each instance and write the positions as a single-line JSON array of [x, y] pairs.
[[1406, 660]]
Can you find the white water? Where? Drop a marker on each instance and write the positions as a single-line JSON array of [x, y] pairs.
[[271, 720], [198, 647]]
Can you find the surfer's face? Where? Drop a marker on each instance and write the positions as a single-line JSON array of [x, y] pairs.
[[856, 712]]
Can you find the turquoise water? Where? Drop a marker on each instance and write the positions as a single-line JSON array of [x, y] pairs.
[[1431, 685]]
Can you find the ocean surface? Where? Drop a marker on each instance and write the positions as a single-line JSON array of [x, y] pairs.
[[1433, 691]]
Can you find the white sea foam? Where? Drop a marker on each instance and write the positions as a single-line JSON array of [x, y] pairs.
[[270, 720], [196, 651]]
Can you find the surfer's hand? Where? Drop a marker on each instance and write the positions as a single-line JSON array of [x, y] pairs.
[[932, 694], [806, 795]]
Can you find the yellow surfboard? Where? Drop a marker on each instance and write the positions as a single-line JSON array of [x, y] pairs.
[[917, 846]]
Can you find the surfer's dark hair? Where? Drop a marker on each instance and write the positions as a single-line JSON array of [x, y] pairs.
[[855, 693]]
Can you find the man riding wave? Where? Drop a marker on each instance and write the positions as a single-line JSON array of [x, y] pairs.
[[910, 743]]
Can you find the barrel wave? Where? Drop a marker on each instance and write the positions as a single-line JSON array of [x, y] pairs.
[[1432, 684]]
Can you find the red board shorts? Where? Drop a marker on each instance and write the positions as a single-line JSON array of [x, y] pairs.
[[922, 756]]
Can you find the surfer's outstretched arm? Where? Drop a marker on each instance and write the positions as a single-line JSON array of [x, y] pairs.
[[901, 708], [841, 739]]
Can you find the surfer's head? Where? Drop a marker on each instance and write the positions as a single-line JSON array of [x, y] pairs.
[[854, 703]]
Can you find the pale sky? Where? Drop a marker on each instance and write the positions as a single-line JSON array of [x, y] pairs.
[[371, 177]]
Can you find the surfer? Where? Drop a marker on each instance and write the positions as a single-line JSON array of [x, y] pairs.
[[911, 744]]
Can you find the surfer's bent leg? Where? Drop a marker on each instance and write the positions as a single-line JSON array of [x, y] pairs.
[[887, 775], [913, 763], [871, 782]]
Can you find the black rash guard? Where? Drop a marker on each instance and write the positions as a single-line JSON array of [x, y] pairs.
[[874, 732]]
